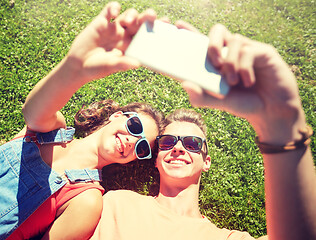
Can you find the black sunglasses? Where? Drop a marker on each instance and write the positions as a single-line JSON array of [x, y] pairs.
[[135, 127], [190, 143]]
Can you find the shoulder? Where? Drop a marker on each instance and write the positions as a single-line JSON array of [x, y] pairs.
[[89, 201], [238, 235], [222, 233], [91, 196], [122, 194], [124, 197]]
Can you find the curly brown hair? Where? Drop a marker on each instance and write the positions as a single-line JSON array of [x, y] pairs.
[[94, 116]]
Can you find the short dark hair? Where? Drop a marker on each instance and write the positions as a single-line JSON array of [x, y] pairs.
[[185, 115]]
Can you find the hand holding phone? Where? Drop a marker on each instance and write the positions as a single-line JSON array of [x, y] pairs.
[[178, 53]]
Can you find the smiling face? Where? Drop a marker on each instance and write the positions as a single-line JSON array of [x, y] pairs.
[[117, 144], [179, 163]]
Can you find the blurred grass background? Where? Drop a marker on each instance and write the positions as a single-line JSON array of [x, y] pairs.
[[36, 35]]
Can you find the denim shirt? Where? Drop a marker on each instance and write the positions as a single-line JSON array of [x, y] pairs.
[[26, 181]]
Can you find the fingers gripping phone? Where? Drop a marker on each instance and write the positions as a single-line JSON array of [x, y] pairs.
[[178, 53]]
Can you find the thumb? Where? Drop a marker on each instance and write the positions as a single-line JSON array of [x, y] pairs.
[[193, 90], [126, 63], [198, 97]]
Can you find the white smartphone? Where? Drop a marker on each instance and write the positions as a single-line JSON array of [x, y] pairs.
[[178, 53]]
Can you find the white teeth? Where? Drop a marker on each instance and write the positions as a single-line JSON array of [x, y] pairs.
[[119, 144], [177, 161]]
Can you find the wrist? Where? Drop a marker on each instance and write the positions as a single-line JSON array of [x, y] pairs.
[[282, 130], [303, 143], [72, 69]]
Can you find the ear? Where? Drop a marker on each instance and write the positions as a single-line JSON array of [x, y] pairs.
[[207, 163], [115, 115]]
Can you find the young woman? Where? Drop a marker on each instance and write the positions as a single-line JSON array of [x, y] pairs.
[[48, 180]]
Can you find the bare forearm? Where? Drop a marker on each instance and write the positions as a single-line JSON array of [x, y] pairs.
[[49, 96], [97, 51], [290, 195], [271, 103], [290, 180]]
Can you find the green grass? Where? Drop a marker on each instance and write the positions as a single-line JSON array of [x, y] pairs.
[[35, 35]]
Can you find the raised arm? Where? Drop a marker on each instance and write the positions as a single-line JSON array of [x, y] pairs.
[[97, 51], [265, 92]]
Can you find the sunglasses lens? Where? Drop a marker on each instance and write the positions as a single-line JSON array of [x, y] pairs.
[[167, 142], [134, 125], [142, 149], [192, 143]]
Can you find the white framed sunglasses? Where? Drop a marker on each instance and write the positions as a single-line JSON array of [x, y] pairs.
[[135, 127]]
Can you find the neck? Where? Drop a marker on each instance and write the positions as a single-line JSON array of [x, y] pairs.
[[78, 154], [181, 200]]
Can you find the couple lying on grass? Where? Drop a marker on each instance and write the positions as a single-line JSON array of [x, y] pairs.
[[50, 181]]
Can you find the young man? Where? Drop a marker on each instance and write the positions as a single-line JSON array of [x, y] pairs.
[[267, 96]]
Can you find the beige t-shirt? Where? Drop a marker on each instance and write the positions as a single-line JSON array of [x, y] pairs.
[[128, 215]]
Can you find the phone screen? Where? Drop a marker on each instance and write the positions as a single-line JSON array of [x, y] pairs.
[[178, 53]]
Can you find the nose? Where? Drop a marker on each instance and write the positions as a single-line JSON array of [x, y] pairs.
[[131, 140], [178, 148]]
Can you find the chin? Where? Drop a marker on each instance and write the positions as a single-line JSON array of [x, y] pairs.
[[177, 174]]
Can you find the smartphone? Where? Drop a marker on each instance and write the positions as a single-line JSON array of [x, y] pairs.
[[178, 53]]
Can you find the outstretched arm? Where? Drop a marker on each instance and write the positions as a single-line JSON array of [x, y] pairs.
[[265, 92], [97, 51]]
